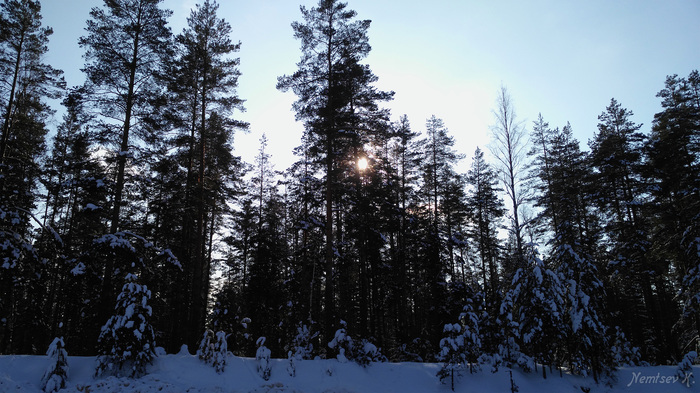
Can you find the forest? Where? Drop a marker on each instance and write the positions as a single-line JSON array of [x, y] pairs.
[[133, 224]]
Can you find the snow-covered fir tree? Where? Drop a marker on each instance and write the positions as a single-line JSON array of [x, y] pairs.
[[56, 373], [508, 350], [689, 292], [470, 318], [452, 353], [343, 343], [262, 357], [213, 349], [205, 352], [685, 368], [538, 300], [359, 350], [301, 348], [127, 341], [227, 316], [366, 353], [585, 332], [220, 352]]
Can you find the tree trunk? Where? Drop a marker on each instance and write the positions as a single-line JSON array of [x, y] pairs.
[[107, 297], [329, 290], [330, 129], [198, 314], [8, 113]]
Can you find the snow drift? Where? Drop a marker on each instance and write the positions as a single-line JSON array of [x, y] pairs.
[[182, 372]]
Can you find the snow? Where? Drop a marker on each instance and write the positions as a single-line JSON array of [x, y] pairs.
[[182, 372], [91, 206], [78, 269]]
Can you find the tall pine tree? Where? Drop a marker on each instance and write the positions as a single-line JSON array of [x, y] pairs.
[[28, 82], [338, 105], [673, 161], [203, 90], [126, 44]]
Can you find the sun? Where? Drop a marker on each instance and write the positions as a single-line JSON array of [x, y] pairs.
[[362, 163]]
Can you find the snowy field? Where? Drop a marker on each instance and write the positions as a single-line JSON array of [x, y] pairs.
[[184, 373]]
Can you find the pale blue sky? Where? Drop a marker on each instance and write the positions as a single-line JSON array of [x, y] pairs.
[[565, 59]]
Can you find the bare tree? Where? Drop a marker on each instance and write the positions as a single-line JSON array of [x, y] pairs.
[[509, 147]]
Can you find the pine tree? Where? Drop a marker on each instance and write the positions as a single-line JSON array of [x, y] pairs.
[[227, 316], [28, 83], [564, 179], [24, 43], [76, 208], [304, 210], [616, 156], [127, 341], [685, 369], [484, 216], [204, 78], [338, 105], [585, 332], [542, 171], [125, 45], [672, 154], [443, 191], [367, 353], [264, 295]]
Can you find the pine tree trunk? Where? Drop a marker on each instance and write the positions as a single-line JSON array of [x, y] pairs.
[[330, 124], [198, 313], [106, 297], [8, 112], [329, 290]]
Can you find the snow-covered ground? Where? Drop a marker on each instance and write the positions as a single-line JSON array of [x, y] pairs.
[[184, 373]]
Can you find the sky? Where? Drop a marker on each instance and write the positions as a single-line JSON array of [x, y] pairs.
[[563, 59]]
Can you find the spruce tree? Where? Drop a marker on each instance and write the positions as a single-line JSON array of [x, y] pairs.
[[304, 212], [301, 348], [440, 189], [485, 215], [56, 375], [402, 182], [77, 209], [213, 349], [538, 308], [262, 357], [452, 353], [127, 341]]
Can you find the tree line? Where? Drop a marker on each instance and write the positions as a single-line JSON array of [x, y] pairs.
[[549, 254]]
